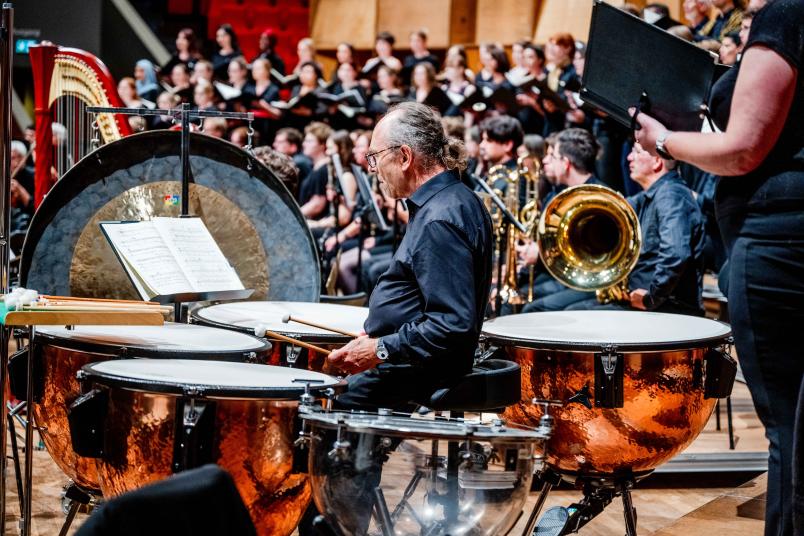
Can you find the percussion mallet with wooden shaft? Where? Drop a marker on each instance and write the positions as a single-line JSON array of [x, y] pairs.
[[261, 331], [289, 318]]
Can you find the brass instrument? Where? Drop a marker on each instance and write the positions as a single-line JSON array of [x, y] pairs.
[[527, 177], [529, 212], [509, 291], [589, 239]]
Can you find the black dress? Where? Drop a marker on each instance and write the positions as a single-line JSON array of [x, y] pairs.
[[220, 63], [761, 217]]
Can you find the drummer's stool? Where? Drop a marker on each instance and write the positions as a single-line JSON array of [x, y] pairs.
[[491, 386]]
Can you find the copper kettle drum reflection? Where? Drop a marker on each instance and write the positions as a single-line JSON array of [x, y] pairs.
[[589, 239]]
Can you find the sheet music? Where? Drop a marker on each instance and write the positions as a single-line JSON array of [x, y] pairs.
[[145, 253], [196, 252]]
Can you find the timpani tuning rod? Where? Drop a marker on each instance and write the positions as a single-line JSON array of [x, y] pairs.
[[288, 318]]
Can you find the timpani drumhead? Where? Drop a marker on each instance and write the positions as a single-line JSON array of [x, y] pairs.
[[208, 378], [169, 340], [583, 330], [269, 314]]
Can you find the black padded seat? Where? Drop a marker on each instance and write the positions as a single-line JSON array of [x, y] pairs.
[[357, 299], [493, 384]]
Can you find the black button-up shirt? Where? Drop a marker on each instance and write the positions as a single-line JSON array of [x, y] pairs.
[[428, 306], [670, 265]]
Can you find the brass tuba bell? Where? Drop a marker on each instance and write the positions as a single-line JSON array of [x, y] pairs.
[[589, 239]]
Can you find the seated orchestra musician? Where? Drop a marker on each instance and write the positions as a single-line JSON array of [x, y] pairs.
[[500, 137], [570, 162], [425, 313], [668, 276]]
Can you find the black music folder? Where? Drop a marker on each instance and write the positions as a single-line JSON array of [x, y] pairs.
[[630, 62]]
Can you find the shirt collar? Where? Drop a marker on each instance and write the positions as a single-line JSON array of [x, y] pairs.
[[650, 192], [427, 190]]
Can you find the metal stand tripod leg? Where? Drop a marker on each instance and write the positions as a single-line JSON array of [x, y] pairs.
[[70, 517], [25, 522], [629, 511], [77, 498], [15, 452], [537, 508]]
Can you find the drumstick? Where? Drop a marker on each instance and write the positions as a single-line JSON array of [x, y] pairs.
[[73, 298], [99, 305], [288, 318], [274, 335], [95, 308]]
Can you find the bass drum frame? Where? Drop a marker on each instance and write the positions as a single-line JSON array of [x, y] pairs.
[[252, 216]]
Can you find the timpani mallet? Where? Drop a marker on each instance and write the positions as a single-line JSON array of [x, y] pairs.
[[260, 332], [288, 318]]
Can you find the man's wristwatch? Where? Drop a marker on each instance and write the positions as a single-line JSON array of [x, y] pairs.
[[660, 149], [382, 351]]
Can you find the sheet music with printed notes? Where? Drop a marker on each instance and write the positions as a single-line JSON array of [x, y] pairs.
[[167, 256], [199, 257]]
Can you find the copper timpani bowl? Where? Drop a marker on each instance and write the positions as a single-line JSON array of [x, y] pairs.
[[249, 315], [60, 353], [245, 423], [658, 373]]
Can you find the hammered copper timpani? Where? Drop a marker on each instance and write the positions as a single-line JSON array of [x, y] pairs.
[[250, 315], [245, 421], [60, 353], [661, 363]]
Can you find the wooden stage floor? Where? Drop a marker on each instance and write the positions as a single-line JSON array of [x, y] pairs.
[[697, 503]]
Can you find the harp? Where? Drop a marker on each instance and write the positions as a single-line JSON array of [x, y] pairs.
[[66, 82]]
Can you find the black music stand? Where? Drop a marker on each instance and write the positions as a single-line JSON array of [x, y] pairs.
[[183, 116], [631, 63]]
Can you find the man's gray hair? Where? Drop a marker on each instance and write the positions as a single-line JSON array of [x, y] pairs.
[[18, 147], [419, 127], [59, 132]]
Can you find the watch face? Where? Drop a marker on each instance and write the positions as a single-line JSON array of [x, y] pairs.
[[382, 353]]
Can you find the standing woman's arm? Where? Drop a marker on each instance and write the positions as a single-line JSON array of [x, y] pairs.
[[762, 98]]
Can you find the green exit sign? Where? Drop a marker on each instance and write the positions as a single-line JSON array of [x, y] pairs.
[[22, 45]]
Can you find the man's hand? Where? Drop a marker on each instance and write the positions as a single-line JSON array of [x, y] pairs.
[[331, 242], [359, 355], [637, 298], [19, 195]]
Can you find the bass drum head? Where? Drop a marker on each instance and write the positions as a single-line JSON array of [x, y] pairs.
[[249, 212], [246, 316]]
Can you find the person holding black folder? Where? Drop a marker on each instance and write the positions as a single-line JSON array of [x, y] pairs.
[[760, 209]]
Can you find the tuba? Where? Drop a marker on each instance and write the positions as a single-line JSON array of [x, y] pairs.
[[589, 239]]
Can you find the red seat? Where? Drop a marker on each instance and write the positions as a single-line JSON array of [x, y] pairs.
[[296, 18]]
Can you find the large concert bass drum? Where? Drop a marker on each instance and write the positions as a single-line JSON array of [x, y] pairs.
[[635, 388]]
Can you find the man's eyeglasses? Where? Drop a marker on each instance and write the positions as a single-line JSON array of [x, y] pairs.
[[371, 158]]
